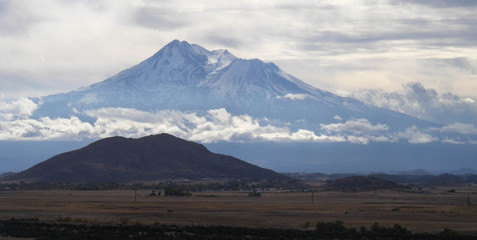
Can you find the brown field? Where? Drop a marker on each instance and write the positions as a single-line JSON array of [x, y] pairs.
[[429, 211]]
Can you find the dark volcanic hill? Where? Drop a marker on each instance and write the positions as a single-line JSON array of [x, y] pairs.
[[155, 157], [360, 184]]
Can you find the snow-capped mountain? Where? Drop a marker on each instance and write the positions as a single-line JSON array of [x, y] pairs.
[[187, 77], [245, 108]]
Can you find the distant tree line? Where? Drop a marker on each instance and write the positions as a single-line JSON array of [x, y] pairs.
[[429, 180], [32, 228], [67, 186], [231, 185]]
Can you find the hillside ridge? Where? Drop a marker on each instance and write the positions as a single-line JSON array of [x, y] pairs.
[[150, 158]]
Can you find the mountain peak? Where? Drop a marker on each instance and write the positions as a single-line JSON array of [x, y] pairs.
[[177, 43], [179, 52], [188, 77]]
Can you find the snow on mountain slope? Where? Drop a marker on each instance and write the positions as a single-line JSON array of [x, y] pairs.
[[187, 77], [254, 77]]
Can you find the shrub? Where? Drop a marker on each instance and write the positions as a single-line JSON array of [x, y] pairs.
[[254, 194], [334, 230], [449, 234], [172, 191], [80, 220], [123, 220], [63, 219]]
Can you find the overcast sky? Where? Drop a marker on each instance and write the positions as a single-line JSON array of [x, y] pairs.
[[50, 46]]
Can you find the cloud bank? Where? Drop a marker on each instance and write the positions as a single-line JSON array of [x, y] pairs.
[[425, 103], [356, 126], [212, 126]]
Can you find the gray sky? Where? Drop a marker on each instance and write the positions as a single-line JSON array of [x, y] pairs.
[[51, 46]]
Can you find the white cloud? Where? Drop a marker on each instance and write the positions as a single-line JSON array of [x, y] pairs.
[[296, 96], [424, 103], [357, 139], [355, 125], [382, 138], [20, 108], [452, 141], [306, 136], [46, 128], [461, 128], [468, 100], [214, 125], [211, 126], [414, 135]]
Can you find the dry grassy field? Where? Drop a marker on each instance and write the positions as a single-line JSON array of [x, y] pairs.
[[428, 211]]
